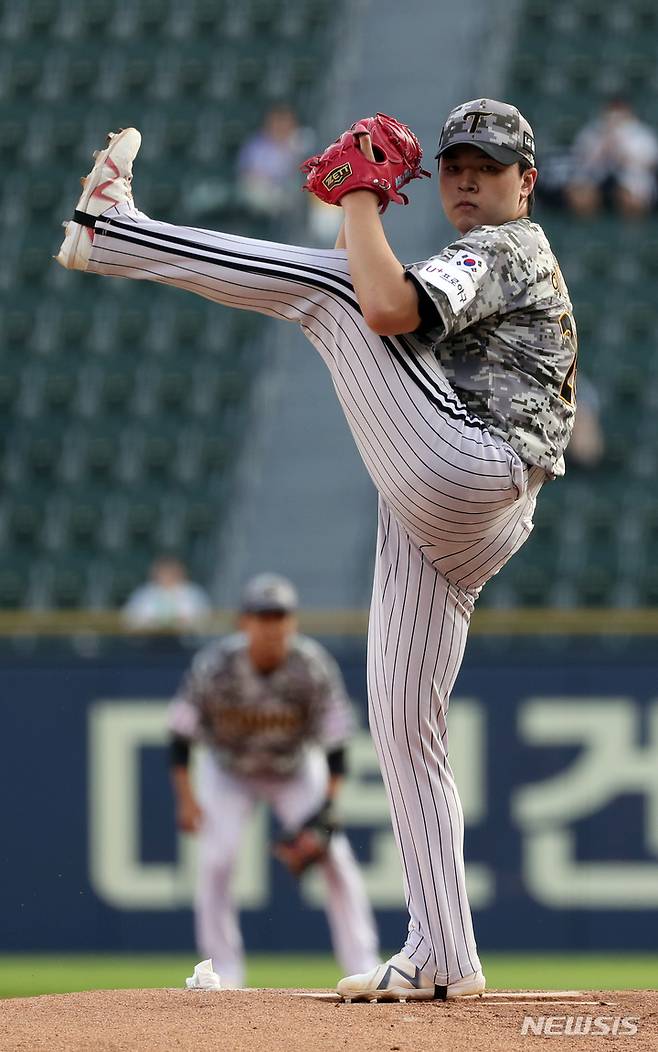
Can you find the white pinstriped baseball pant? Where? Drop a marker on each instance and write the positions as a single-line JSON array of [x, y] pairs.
[[455, 502], [227, 801]]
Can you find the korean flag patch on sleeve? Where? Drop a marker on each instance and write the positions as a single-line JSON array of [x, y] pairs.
[[472, 264], [456, 277]]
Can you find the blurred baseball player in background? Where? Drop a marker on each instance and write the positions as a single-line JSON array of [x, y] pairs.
[[457, 378], [271, 707]]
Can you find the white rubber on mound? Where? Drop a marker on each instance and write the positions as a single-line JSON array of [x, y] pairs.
[[492, 997]]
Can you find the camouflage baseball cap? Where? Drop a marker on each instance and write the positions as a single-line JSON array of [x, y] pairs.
[[268, 593], [494, 127]]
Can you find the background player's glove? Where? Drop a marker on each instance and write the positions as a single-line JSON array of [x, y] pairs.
[[309, 844], [343, 167]]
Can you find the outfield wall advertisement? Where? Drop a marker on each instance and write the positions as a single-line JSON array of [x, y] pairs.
[[556, 759]]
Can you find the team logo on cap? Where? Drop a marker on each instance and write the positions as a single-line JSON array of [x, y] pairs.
[[476, 116]]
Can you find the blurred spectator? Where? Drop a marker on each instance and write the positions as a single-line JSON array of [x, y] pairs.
[[168, 600], [268, 164], [613, 163], [266, 184], [587, 446]]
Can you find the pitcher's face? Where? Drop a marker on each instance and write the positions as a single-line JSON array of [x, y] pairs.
[[478, 191]]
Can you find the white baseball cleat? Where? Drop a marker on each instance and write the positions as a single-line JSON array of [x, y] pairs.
[[107, 184], [400, 980]]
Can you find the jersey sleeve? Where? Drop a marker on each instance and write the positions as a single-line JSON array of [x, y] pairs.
[[485, 273], [186, 710], [184, 719], [334, 716]]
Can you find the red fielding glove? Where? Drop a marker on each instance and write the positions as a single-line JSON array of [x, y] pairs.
[[343, 167]]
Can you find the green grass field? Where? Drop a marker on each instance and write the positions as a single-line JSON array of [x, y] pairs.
[[25, 975]]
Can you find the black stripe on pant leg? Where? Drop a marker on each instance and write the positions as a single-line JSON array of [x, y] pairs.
[[430, 723], [422, 749], [440, 398], [439, 647], [475, 423], [409, 512], [270, 307], [455, 657], [395, 576], [397, 643], [451, 508], [384, 528], [426, 484], [270, 302], [422, 444], [409, 764], [503, 537], [387, 767], [427, 381], [387, 761], [448, 403], [442, 562], [309, 268], [394, 492], [302, 276], [167, 238], [441, 717]]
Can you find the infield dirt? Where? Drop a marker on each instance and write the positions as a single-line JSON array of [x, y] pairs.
[[312, 1021]]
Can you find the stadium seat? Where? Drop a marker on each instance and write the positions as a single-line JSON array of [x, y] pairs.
[[25, 523], [569, 57], [123, 404], [9, 388], [14, 582], [59, 581]]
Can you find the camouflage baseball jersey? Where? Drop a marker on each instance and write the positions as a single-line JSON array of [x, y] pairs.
[[507, 340], [259, 724]]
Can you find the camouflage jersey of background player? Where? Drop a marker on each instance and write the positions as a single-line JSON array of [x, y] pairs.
[[506, 337], [259, 724]]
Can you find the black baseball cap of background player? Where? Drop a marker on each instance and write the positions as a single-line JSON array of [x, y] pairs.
[[496, 128], [269, 593]]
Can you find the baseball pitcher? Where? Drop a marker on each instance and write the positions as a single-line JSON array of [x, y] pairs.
[[456, 375]]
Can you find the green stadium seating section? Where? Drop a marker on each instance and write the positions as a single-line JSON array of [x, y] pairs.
[[123, 406], [595, 541]]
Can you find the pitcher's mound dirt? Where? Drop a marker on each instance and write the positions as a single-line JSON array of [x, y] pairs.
[[314, 1021]]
